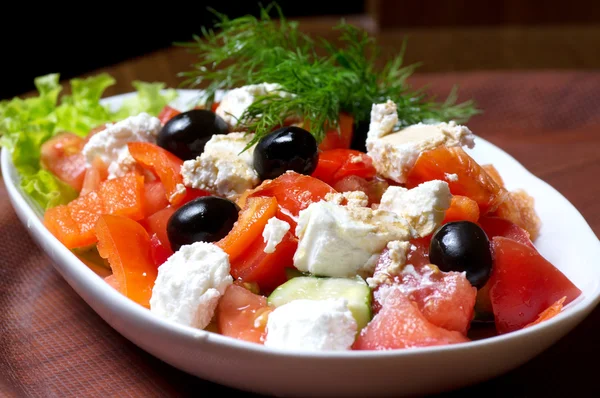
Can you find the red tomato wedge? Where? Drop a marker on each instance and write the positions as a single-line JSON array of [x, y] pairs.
[[242, 314], [154, 197], [462, 209], [162, 163], [446, 299], [62, 156], [496, 226], [294, 192], [249, 226], [156, 224], [400, 324], [159, 252], [549, 312], [94, 176], [341, 138], [126, 245], [336, 164], [167, 113], [523, 284], [120, 196], [265, 269], [473, 181]]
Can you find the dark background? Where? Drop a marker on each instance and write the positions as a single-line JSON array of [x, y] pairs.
[[93, 35]]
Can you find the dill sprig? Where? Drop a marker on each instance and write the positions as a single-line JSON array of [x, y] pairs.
[[324, 78]]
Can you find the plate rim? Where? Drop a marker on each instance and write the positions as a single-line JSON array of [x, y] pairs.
[[102, 290]]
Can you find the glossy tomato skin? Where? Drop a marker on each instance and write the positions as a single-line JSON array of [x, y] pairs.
[[62, 156], [341, 138], [242, 314], [335, 164], [167, 113], [523, 284]]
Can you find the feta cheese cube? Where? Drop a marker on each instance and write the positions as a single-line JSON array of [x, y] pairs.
[[223, 168], [236, 101], [110, 144], [351, 198], [423, 207], [311, 325], [190, 283], [394, 153], [398, 251], [273, 233], [344, 241]]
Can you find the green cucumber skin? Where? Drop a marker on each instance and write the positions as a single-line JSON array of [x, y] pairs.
[[356, 291]]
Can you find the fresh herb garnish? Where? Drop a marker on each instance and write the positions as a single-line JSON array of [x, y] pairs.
[[326, 79]]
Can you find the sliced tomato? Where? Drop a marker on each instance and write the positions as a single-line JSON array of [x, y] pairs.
[[62, 156], [462, 208], [336, 164], [472, 182], [496, 226], [154, 197], [191, 194], [493, 172], [249, 226], [446, 299], [126, 245], [549, 312], [242, 314], [214, 106], [418, 255], [159, 252], [156, 224], [523, 284], [294, 192], [339, 138], [267, 270], [373, 188], [400, 324], [167, 113], [519, 208], [162, 163]]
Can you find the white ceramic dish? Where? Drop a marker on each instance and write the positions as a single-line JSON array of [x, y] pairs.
[[566, 240]]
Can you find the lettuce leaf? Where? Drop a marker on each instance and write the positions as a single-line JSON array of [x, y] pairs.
[[25, 124]]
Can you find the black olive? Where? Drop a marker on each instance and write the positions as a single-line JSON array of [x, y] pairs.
[[205, 219], [288, 148], [186, 134], [462, 246]]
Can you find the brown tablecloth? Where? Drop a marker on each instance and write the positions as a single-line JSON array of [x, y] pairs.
[[53, 344]]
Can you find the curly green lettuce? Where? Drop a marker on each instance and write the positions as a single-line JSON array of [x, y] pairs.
[[25, 124]]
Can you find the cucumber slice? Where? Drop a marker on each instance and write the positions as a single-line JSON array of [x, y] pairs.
[[356, 291]]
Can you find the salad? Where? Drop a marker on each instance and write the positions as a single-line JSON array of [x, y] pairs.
[[288, 213]]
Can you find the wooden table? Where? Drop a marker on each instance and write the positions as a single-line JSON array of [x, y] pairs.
[[559, 144]]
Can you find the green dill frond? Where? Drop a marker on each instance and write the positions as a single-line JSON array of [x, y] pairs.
[[342, 78]]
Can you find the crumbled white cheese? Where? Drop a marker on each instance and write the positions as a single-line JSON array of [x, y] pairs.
[[423, 207], [110, 144], [350, 198], [311, 325], [273, 233], [451, 177], [397, 253], [189, 284], [236, 101], [394, 153], [344, 241], [223, 168]]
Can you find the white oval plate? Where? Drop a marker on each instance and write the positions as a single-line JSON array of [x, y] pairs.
[[566, 240]]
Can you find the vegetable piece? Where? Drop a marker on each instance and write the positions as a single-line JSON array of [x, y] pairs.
[[519, 208], [185, 134], [473, 181], [462, 246], [249, 226], [242, 314], [162, 163], [288, 148], [496, 226], [355, 291], [154, 197], [205, 219], [462, 208], [484, 311], [61, 155], [374, 188], [167, 113], [400, 324], [126, 245], [267, 270], [59, 222], [294, 192], [85, 210], [94, 176], [341, 138], [493, 172], [124, 196], [549, 312], [336, 164], [523, 284], [159, 252], [156, 224]]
